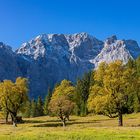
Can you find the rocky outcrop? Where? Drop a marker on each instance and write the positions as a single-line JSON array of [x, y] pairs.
[[117, 50]]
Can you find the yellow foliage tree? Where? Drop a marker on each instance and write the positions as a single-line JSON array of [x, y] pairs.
[[61, 103], [13, 96], [112, 90]]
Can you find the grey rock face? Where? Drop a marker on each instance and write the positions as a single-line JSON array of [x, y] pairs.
[[117, 50], [8, 64], [48, 59], [53, 57]]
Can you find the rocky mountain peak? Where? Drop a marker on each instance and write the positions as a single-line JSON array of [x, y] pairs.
[[111, 39], [117, 50], [77, 38], [50, 58], [133, 47], [5, 47]]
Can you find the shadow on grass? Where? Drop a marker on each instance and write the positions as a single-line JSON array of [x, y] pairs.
[[59, 123], [4, 123], [34, 121], [138, 125], [43, 121]]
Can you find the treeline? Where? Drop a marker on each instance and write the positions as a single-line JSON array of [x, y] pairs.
[[39, 107], [112, 90]]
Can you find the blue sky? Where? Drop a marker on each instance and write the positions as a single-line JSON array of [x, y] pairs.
[[21, 20]]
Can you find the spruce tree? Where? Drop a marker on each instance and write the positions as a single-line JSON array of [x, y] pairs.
[[46, 102], [82, 92], [39, 107], [137, 86], [27, 107], [33, 108]]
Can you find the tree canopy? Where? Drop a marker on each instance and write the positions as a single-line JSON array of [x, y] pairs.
[[61, 103], [13, 95], [112, 89]]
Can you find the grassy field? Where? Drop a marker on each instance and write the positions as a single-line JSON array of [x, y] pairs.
[[79, 128]]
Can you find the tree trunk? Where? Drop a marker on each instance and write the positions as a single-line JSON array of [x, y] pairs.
[[6, 117], [68, 118], [14, 120], [120, 119], [14, 124], [64, 122]]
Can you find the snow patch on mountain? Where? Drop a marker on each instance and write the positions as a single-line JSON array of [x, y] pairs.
[[117, 50], [50, 58]]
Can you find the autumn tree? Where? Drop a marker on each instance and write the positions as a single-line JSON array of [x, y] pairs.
[[61, 103], [5, 114], [112, 90], [61, 107], [13, 96]]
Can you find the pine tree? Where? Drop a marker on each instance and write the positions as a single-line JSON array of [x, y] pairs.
[[82, 92], [33, 108], [137, 86], [134, 101], [39, 107], [46, 102], [27, 112]]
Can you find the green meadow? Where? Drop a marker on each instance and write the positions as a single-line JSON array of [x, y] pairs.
[[78, 128]]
